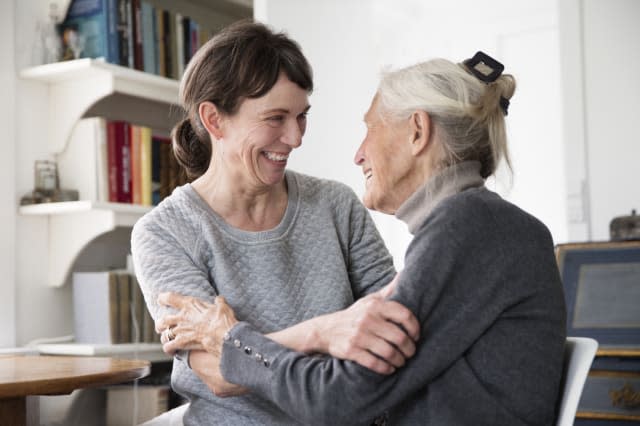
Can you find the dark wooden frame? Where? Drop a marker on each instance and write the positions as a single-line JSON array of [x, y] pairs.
[[571, 257]]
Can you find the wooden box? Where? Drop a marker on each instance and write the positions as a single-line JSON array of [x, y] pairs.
[[602, 289]]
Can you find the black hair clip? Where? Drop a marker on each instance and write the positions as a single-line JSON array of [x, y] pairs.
[[484, 67]]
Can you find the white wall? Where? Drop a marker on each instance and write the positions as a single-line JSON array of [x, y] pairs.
[[611, 34], [348, 43], [600, 47], [7, 176], [41, 311]]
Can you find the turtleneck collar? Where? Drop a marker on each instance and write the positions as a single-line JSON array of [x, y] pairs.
[[449, 181]]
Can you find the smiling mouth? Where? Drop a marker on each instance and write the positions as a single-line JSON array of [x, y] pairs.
[[368, 174], [275, 156]]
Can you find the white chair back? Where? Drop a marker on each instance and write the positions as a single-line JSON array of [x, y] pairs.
[[579, 353], [170, 418]]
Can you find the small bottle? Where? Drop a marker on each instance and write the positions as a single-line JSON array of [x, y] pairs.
[[50, 37]]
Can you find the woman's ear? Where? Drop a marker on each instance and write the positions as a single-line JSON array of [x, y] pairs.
[[420, 124], [211, 119]]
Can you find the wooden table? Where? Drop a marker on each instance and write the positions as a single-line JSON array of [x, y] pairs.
[[24, 376]]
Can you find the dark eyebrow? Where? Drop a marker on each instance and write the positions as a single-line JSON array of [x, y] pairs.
[[283, 110]]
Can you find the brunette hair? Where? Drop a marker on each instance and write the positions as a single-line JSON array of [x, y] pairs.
[[469, 112], [244, 60]]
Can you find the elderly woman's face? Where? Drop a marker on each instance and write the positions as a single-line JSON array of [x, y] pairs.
[[385, 160], [258, 139]]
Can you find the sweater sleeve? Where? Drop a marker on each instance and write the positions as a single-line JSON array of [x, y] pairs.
[[163, 247], [456, 299], [370, 264]]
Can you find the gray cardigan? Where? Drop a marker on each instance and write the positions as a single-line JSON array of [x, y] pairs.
[[324, 254], [481, 277]]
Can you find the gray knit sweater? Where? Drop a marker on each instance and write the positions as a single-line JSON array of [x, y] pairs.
[[325, 253], [481, 277]]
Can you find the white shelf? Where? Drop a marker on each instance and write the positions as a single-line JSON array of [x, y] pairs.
[[74, 224], [91, 87], [122, 214], [147, 351]]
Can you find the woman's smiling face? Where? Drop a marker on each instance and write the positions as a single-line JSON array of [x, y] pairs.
[[385, 160], [258, 138]]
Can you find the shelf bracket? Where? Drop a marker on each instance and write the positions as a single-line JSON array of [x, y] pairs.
[[76, 230], [68, 102]]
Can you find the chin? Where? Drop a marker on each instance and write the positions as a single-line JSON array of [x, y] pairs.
[[370, 202], [378, 205]]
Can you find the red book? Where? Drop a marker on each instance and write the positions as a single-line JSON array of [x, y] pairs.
[[119, 161]]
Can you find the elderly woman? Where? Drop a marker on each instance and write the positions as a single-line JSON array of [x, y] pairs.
[[285, 249], [480, 273]]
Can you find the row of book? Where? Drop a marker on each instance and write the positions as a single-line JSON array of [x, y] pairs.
[[137, 166], [109, 308], [133, 33]]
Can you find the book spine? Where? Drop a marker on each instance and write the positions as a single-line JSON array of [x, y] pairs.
[[179, 41], [164, 167], [123, 33], [188, 40], [124, 163], [112, 161], [168, 40], [113, 42], [124, 310], [114, 307], [135, 143], [148, 38], [136, 31], [173, 45], [161, 65], [102, 165], [145, 166], [194, 33]]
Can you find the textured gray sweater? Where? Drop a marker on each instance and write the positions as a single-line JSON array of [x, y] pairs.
[[325, 253], [481, 277]]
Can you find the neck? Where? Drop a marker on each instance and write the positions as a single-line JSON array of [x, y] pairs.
[[245, 206]]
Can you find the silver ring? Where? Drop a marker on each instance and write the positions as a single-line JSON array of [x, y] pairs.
[[169, 334]]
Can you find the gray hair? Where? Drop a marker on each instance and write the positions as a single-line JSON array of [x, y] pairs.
[[465, 110]]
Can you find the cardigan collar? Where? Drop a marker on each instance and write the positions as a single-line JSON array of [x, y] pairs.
[[449, 181]]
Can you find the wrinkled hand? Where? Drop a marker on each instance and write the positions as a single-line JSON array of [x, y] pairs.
[[376, 333], [196, 325], [207, 367]]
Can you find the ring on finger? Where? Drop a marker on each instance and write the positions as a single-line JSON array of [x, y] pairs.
[[169, 335]]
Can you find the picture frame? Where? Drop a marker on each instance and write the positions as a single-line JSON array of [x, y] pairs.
[[601, 282]]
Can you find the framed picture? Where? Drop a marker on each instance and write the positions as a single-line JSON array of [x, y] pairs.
[[602, 289]]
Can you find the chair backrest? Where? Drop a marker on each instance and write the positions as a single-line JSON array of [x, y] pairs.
[[579, 353]]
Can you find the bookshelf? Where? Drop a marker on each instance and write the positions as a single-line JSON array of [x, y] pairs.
[[84, 88]]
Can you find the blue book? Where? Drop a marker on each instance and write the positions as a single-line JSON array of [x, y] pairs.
[[148, 15], [95, 21]]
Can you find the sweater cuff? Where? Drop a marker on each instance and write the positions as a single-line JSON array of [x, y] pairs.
[[249, 358]]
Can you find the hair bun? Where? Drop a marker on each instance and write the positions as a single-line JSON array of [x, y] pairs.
[[192, 153]]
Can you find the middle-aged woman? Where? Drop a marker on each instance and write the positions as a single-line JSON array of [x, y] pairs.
[[285, 249], [480, 273]]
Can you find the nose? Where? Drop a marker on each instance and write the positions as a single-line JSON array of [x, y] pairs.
[[293, 134], [359, 158]]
